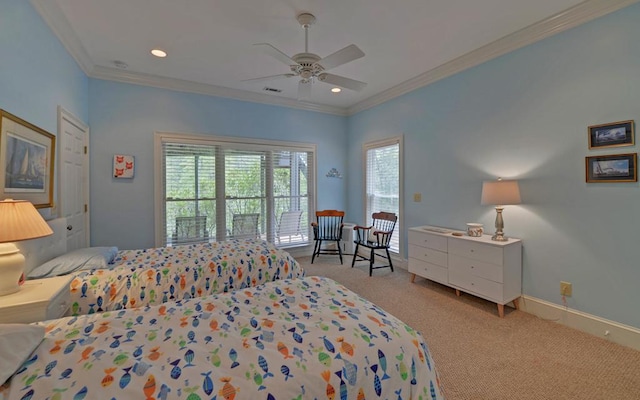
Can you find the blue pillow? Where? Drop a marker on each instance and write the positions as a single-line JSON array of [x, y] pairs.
[[80, 259]]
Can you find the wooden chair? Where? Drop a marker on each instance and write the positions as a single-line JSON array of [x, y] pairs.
[[190, 230], [289, 225], [245, 226], [375, 237], [327, 228]]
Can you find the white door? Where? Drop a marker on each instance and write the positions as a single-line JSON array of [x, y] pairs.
[[73, 139]]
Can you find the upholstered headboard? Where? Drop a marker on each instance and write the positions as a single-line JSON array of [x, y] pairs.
[[39, 251]]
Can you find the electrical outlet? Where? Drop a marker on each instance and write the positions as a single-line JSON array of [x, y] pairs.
[[417, 197], [566, 289]]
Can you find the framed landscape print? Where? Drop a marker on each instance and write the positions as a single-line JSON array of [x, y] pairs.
[[612, 168], [26, 161], [614, 134]]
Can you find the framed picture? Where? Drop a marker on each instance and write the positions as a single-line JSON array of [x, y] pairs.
[[123, 166], [612, 168], [615, 134], [26, 161]]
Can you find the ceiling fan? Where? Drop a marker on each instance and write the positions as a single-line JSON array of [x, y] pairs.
[[310, 67]]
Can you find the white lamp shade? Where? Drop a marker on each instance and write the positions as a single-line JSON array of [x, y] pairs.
[[19, 220], [500, 193]]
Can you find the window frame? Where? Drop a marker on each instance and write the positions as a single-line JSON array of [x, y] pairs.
[[224, 142], [390, 141]]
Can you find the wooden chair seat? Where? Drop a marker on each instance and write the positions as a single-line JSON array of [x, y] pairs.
[[375, 237]]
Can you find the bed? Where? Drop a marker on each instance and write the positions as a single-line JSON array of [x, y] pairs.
[[307, 338], [137, 278]]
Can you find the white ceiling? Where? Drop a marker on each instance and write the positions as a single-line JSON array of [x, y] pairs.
[[407, 43]]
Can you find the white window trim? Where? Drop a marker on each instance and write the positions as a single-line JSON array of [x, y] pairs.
[[237, 142], [382, 143]]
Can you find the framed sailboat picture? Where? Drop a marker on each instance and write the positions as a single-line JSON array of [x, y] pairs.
[[26, 161]]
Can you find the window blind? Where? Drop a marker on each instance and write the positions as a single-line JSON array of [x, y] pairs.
[[221, 189], [189, 188], [383, 183]]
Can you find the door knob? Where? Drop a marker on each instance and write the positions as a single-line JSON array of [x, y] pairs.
[[69, 227]]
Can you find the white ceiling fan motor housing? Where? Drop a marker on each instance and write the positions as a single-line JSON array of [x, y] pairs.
[[307, 65]]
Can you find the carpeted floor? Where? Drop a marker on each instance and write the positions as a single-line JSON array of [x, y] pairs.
[[481, 356]]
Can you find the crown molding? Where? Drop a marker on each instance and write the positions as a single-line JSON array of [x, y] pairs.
[[57, 22], [570, 18], [136, 78]]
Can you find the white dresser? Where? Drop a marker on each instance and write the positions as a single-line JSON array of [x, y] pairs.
[[477, 265]]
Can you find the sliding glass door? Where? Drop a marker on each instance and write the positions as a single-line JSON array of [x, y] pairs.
[[219, 188]]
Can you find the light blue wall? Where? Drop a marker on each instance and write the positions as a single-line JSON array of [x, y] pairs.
[[525, 115], [36, 72], [123, 121]]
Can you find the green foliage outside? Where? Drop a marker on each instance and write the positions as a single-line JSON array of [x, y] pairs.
[[245, 187]]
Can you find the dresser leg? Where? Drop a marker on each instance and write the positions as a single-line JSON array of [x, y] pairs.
[[501, 310], [413, 277], [457, 293], [516, 303]]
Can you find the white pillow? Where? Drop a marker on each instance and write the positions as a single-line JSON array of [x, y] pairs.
[[17, 342], [80, 259]]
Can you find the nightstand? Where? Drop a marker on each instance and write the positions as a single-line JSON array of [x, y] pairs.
[[37, 300]]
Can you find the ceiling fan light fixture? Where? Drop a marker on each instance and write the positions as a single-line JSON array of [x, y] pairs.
[[159, 53], [310, 67]]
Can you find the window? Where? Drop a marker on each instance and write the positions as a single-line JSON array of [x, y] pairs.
[[383, 177], [213, 188]]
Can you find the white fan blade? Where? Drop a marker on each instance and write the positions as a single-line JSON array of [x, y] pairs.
[[275, 53], [269, 78], [348, 54], [341, 81], [304, 89]]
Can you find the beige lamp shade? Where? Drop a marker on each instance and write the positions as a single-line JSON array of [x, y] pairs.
[[500, 193], [19, 220]]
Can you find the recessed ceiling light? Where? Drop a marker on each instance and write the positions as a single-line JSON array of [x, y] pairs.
[[159, 53], [336, 90]]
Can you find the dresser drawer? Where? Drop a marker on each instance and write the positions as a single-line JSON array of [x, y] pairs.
[[427, 270], [476, 251], [429, 240], [427, 254], [482, 269], [485, 288]]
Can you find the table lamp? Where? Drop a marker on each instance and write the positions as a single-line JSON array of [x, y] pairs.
[[19, 220], [500, 193]]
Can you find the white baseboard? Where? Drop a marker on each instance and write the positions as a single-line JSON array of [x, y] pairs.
[[609, 330]]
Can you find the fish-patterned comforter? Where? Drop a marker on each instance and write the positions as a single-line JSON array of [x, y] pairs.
[[157, 275], [308, 338]]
